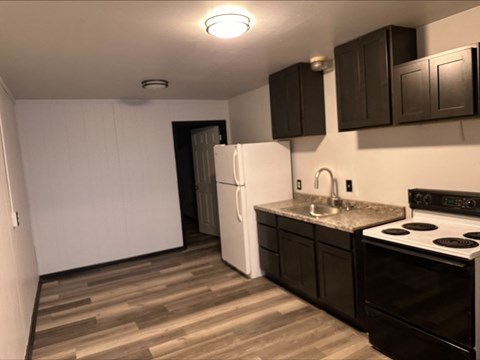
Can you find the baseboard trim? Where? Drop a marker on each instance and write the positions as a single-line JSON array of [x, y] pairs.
[[65, 273], [33, 322]]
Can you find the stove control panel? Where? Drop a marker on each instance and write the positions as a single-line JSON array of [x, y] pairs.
[[467, 203], [459, 202]]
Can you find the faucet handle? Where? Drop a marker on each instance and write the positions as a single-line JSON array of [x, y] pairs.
[[335, 201]]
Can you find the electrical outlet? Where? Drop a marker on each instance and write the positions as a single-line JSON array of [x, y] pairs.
[[299, 184], [15, 219], [349, 185]]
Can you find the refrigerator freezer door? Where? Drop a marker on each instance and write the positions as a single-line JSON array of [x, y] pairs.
[[234, 236], [228, 164]]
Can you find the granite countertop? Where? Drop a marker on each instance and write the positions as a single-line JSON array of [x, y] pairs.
[[355, 215]]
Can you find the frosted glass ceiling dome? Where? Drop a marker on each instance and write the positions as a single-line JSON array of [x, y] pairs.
[[227, 26]]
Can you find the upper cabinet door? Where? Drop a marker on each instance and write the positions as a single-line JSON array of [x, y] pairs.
[[349, 88], [297, 102], [285, 103], [451, 81], [363, 81], [411, 92], [375, 79], [363, 70], [436, 87]]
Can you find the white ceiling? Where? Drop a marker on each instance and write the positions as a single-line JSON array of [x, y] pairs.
[[103, 49]]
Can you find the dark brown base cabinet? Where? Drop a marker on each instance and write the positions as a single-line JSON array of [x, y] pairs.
[[436, 87], [335, 277], [320, 264], [268, 244], [297, 263]]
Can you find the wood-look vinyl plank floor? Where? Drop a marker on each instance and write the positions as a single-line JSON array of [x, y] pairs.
[[186, 304]]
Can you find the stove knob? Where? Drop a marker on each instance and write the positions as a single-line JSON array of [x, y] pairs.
[[427, 199], [470, 203], [418, 198]]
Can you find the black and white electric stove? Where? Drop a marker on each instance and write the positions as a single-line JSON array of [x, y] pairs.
[[456, 232], [422, 278]]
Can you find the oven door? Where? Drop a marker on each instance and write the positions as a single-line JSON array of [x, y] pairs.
[[432, 292]]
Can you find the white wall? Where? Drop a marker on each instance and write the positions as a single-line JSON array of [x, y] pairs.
[[250, 116], [384, 162], [455, 31], [101, 177], [18, 266]]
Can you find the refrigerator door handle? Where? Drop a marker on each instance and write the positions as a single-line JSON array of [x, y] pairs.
[[235, 161], [237, 204]]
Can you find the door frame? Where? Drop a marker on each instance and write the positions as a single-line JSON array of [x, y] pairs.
[[180, 130]]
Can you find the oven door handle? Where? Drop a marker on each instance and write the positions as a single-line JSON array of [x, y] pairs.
[[416, 254]]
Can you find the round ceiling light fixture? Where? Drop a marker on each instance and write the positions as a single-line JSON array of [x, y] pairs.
[[227, 26], [154, 84], [319, 63]]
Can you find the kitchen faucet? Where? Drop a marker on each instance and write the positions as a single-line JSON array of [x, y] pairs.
[[334, 199]]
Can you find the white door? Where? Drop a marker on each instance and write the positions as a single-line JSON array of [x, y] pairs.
[[229, 164], [203, 141], [233, 226]]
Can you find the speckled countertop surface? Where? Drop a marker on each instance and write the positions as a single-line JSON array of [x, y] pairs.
[[360, 214]]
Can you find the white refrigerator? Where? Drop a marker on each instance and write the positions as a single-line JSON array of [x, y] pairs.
[[248, 175]]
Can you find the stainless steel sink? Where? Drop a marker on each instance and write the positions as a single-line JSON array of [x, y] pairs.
[[315, 210]]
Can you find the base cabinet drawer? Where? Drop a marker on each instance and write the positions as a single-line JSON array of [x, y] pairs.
[[270, 263], [266, 218], [267, 237]]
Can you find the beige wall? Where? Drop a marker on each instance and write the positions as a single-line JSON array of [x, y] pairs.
[[18, 266], [250, 117], [384, 162], [455, 31], [101, 176]]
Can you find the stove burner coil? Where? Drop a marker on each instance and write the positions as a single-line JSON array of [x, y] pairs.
[[419, 226], [452, 242], [473, 235], [395, 231]]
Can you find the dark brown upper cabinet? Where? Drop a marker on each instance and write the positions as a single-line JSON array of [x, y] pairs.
[[297, 102], [364, 68], [411, 92], [436, 87]]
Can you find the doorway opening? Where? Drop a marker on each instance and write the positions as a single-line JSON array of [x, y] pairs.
[[191, 193]]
